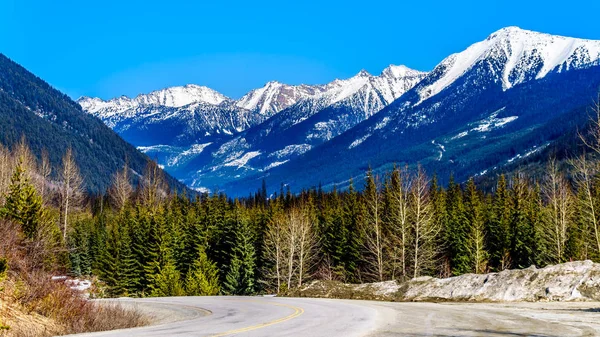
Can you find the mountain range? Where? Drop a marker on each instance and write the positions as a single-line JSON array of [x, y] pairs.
[[498, 101]]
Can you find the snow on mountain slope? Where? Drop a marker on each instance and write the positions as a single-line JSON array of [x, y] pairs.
[[524, 55], [479, 104], [173, 97], [275, 96], [313, 120]]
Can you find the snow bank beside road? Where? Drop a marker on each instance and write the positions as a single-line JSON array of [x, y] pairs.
[[572, 281]]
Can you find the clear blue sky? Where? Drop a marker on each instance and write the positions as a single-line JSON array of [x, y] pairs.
[[109, 48]]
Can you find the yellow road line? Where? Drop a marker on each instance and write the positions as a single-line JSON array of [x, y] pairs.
[[297, 312]]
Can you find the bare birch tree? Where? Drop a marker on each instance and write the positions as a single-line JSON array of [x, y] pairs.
[[6, 169], [274, 250], [71, 189], [290, 248], [45, 170], [154, 186], [584, 177], [398, 234], [424, 229], [121, 190], [372, 227], [307, 243], [559, 200]]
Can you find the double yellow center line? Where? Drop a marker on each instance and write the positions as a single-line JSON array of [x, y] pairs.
[[297, 312]]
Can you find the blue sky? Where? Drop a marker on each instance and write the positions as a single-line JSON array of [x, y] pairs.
[[111, 48]]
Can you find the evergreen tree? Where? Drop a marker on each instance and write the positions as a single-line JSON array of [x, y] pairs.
[[167, 282], [522, 231], [240, 278], [457, 232], [203, 278], [351, 217], [475, 213], [498, 239], [23, 203]]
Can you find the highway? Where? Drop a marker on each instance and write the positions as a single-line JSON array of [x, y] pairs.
[[274, 316]]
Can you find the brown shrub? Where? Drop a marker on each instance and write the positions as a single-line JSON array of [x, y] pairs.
[[49, 307]]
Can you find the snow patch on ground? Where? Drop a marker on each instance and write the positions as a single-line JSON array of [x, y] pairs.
[[243, 160], [295, 149], [487, 124], [442, 149], [275, 164], [527, 154], [358, 141], [194, 150]]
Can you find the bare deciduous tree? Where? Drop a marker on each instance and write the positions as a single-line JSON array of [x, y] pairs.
[[307, 243], [424, 229], [398, 236], [559, 199], [45, 170], [274, 251], [71, 189], [290, 248], [6, 169], [154, 186], [372, 227], [121, 190]]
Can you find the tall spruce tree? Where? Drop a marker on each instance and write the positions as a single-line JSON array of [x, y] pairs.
[[23, 203], [203, 278], [240, 278], [475, 214]]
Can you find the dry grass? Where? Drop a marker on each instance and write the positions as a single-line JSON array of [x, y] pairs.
[[33, 305]]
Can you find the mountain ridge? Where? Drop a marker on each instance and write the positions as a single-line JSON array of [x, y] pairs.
[[369, 118]]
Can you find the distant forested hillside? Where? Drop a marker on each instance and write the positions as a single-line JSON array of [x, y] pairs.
[[50, 120]]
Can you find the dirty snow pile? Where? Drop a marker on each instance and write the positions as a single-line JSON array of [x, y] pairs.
[[572, 281], [563, 282]]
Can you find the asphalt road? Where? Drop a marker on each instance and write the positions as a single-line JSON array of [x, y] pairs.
[[270, 316]]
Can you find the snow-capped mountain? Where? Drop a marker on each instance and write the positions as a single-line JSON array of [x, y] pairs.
[[515, 56], [121, 108], [275, 96], [168, 123], [500, 99], [313, 120]]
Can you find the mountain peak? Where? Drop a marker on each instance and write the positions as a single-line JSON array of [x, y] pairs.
[[400, 71], [508, 30], [362, 73], [516, 56]]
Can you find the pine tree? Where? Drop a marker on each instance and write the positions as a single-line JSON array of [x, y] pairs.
[[498, 240], [440, 217], [475, 213], [240, 278], [23, 203], [167, 282], [203, 278], [522, 230], [351, 217], [457, 232]]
